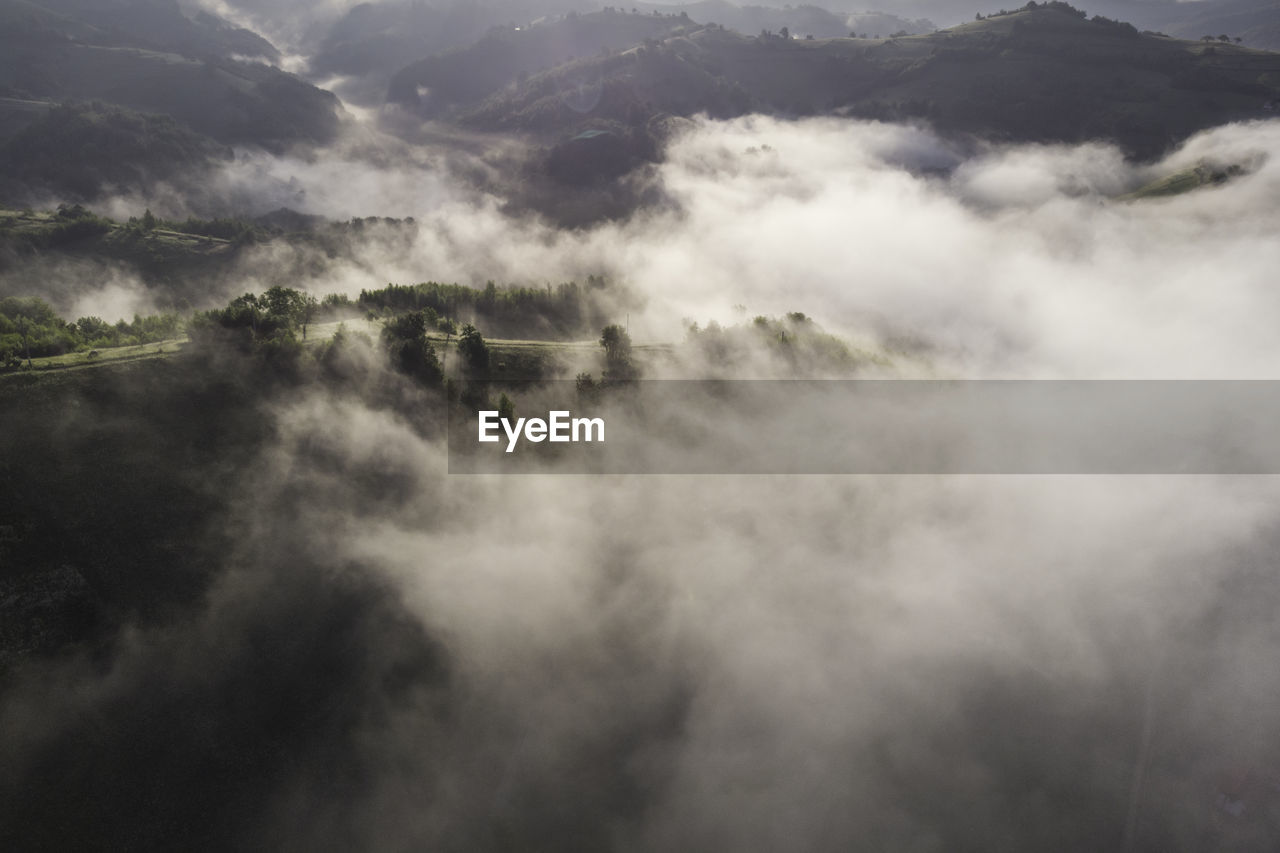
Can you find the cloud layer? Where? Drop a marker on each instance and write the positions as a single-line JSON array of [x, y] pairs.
[[1006, 261], [763, 663]]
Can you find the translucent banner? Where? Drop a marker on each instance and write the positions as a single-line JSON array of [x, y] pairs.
[[868, 427]]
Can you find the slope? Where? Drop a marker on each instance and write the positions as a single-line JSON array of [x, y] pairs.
[[1042, 73]]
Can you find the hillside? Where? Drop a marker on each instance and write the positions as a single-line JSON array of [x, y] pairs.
[[1255, 22], [182, 264], [438, 83], [127, 54], [156, 24], [384, 36], [54, 254], [1043, 73], [801, 20], [373, 41], [78, 152]]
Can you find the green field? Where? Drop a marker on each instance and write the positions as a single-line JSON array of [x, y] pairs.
[[159, 249], [98, 357], [1184, 181], [510, 358]]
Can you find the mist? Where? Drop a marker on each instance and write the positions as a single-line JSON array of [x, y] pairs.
[[643, 663], [386, 657], [1001, 261]]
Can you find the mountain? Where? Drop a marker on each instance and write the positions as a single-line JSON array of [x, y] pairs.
[[801, 20], [152, 24], [1044, 73], [1255, 23], [78, 151], [372, 41], [147, 56], [437, 83]]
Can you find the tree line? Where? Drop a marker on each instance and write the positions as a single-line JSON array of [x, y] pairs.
[[30, 328], [566, 310]]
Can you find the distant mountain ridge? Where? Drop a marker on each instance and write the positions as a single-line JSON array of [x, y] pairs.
[[470, 74], [800, 20], [1044, 73], [1255, 22]]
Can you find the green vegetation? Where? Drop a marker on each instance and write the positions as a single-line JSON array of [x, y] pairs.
[[272, 326], [1185, 181], [29, 328], [794, 343], [181, 261], [405, 338], [179, 266], [285, 334], [617, 353], [77, 150], [472, 348], [568, 310], [70, 225]]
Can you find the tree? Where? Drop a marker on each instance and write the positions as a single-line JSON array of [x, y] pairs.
[[450, 329], [23, 322], [405, 338], [310, 305], [288, 309], [617, 352], [588, 391], [284, 304], [473, 348], [1224, 38], [616, 342], [506, 408], [785, 33]]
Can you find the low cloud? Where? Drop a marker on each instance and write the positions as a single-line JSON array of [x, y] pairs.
[[1014, 261], [746, 663]]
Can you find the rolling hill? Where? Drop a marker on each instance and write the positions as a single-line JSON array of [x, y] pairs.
[[157, 25], [800, 20], [1255, 22], [1044, 73], [78, 152], [374, 40], [149, 57], [434, 85]]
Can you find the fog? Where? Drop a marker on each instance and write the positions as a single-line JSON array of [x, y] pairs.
[[737, 663], [1004, 262], [654, 662]]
